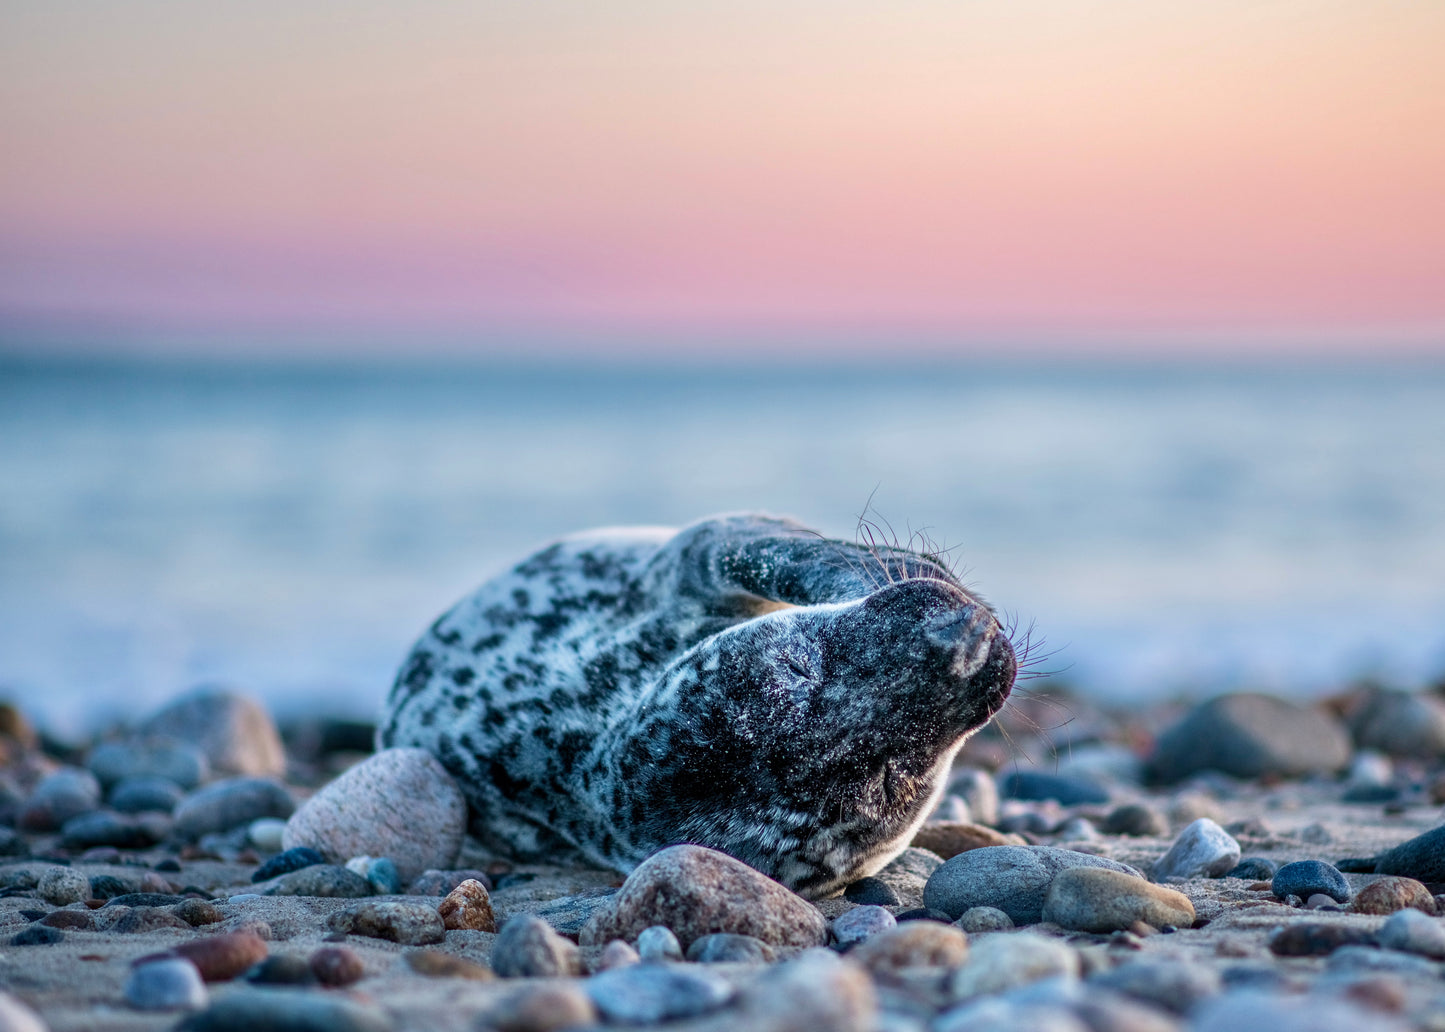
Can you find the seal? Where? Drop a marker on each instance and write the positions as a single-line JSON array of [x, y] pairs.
[[743, 683]]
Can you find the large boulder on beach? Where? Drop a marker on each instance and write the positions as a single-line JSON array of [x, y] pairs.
[[1250, 736]]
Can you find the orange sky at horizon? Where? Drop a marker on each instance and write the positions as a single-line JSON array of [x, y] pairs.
[[964, 169]]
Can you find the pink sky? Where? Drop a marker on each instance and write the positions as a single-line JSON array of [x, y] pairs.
[[955, 171]]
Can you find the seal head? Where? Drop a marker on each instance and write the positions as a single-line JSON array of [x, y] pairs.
[[742, 684]]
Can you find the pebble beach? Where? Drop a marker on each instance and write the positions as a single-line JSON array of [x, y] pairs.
[[1245, 863]]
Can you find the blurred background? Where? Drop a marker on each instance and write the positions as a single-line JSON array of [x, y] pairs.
[[312, 316]]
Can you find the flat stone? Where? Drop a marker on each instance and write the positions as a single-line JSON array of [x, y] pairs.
[[107, 828], [1250, 736], [198, 912], [285, 862], [37, 935], [146, 794], [729, 948], [1350, 963], [908, 872], [527, 947], [1136, 819], [1315, 939], [1202, 850], [985, 919], [220, 958], [1064, 789], [436, 964], [696, 891], [403, 921], [140, 920], [1421, 858], [1014, 879], [1391, 893], [570, 914], [648, 994], [285, 1010], [323, 880], [949, 838], [468, 906], [168, 984], [997, 963], [157, 759], [917, 944], [223, 805], [1413, 932], [398, 803], [282, 969], [336, 966], [1091, 899], [1176, 985], [1252, 1010], [859, 924], [872, 892], [814, 991], [234, 732], [1305, 878]]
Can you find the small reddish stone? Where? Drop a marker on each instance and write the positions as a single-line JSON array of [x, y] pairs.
[[468, 906], [223, 957], [1389, 894], [336, 966]]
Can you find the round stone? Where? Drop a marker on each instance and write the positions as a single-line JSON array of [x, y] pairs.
[[527, 947], [658, 943], [143, 794], [1202, 850], [984, 919], [1305, 878], [173, 763], [1137, 820], [167, 984], [62, 886], [1413, 932], [1013, 879], [861, 923], [872, 892], [729, 948], [1253, 868], [997, 963], [647, 994], [1391, 893], [918, 944]]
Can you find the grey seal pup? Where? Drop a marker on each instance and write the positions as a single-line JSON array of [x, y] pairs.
[[742, 683]]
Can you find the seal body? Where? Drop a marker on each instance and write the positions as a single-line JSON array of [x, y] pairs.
[[742, 683]]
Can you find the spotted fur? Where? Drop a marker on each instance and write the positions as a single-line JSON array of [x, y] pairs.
[[743, 683]]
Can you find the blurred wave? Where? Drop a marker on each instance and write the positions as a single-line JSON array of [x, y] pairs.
[[292, 528]]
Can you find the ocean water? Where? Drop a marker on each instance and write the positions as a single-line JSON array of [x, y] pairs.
[[291, 529]]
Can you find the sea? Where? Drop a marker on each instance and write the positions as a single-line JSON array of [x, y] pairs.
[[290, 527]]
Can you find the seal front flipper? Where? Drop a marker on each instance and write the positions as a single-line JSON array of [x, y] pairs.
[[728, 560]]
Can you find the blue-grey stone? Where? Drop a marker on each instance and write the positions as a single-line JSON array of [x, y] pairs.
[[61, 795], [379, 871], [729, 947], [645, 994], [1014, 879], [1175, 985], [1413, 932], [106, 828], [1066, 790], [175, 762], [171, 983], [658, 943], [1250, 736], [854, 926], [284, 863], [527, 947], [140, 794], [228, 804], [1202, 850], [322, 880], [279, 1009], [1421, 858], [1253, 868], [37, 935], [568, 914], [872, 892], [1305, 878]]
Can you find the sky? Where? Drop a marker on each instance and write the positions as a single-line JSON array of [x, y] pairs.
[[1171, 174]]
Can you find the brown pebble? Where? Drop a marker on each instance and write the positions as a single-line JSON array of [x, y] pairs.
[[1391, 893], [223, 957], [436, 964], [913, 944], [543, 1008], [1381, 993], [80, 919], [1143, 929], [197, 912], [147, 919], [1315, 939], [1232, 948], [949, 838], [1261, 886], [468, 906], [152, 882], [336, 966], [616, 954]]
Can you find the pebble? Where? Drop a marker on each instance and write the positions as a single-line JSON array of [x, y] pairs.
[[729, 947], [917, 944], [1013, 879], [223, 805], [693, 891], [1315, 939], [1349, 963], [1397, 723], [1391, 893], [1004, 1015], [146, 794], [570, 914], [16, 1017], [61, 795], [923, 914], [1305, 878], [37, 935], [265, 834], [1250, 1010], [62, 886], [1413, 932], [816, 990], [1176, 985], [233, 731], [548, 1007], [282, 969], [1250, 736], [1067, 791], [1319, 901], [909, 871], [951, 808], [439, 883], [854, 926], [398, 803], [168, 984], [978, 789], [646, 994], [385, 879], [872, 892], [322, 880], [985, 919], [997, 963], [279, 1009], [658, 943], [409, 923], [1105, 1011], [1203, 849], [336, 966], [141, 920], [1253, 868], [948, 839], [172, 763], [220, 958], [1421, 858], [67, 919], [12, 843], [1090, 899], [527, 947], [436, 964], [468, 906], [617, 954], [1076, 829], [1137, 820], [107, 828], [198, 912], [284, 863]]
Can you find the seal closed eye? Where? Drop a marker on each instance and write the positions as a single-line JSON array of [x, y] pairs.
[[742, 683]]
